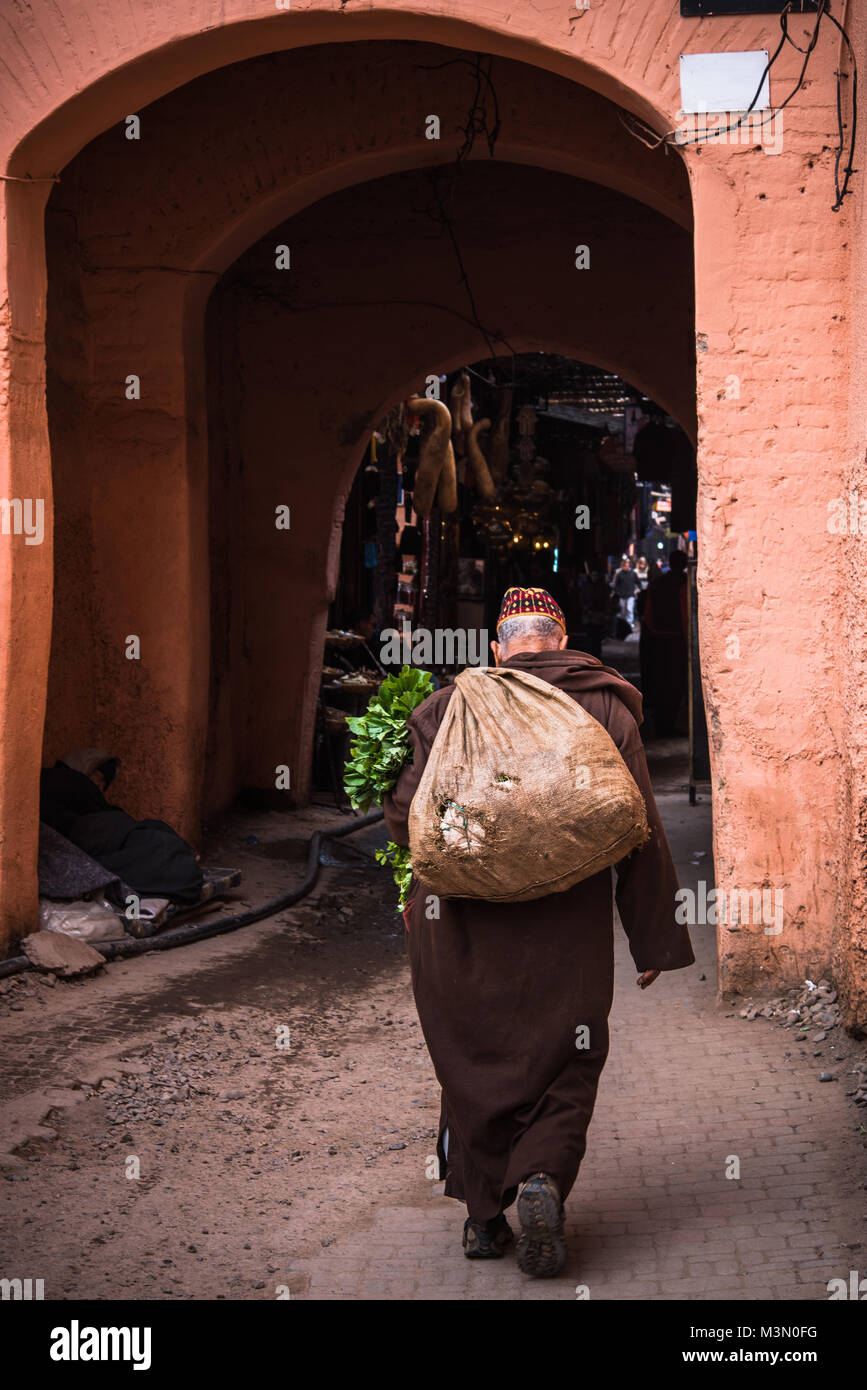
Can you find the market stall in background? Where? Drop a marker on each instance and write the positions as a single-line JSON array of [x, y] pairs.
[[532, 470]]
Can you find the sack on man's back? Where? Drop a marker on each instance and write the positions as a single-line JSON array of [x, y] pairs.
[[524, 793]]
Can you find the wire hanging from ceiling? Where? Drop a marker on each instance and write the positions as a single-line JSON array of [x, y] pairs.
[[481, 120]]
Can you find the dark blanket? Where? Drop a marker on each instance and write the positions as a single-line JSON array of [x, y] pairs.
[[148, 855], [65, 872], [501, 989]]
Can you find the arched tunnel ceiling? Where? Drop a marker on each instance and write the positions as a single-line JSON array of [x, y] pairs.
[[115, 68], [226, 156], [375, 286]]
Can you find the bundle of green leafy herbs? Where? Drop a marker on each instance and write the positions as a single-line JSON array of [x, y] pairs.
[[380, 750], [398, 857]]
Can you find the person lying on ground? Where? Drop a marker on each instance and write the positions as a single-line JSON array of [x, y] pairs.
[[148, 854]]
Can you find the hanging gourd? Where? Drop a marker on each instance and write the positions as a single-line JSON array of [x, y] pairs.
[[436, 462], [461, 407], [484, 482]]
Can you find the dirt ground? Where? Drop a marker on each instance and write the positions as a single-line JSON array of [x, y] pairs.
[[250, 1153], [160, 1139]]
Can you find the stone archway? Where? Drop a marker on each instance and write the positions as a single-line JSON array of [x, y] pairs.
[[101, 71], [310, 367], [154, 283], [780, 721]]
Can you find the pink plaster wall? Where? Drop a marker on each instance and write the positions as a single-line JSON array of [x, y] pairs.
[[770, 256], [851, 943]]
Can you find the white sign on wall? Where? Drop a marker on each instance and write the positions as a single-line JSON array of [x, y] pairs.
[[723, 81]]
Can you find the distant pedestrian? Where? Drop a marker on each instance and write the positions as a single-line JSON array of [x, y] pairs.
[[625, 585], [643, 575]]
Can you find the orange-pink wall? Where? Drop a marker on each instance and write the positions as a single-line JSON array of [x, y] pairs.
[[851, 651]]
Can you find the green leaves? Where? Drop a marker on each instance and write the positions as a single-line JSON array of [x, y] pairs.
[[398, 857], [379, 751], [381, 745]]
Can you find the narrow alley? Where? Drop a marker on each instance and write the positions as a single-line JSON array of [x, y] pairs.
[[433, 447], [300, 1171]]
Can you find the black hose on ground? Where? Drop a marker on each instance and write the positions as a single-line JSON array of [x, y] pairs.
[[201, 931]]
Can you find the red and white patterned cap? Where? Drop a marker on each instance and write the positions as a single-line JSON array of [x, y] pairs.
[[522, 603]]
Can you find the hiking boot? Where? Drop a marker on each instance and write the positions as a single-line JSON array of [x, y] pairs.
[[541, 1249], [487, 1240]]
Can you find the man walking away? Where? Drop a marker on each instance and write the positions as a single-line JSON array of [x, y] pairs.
[[514, 998]]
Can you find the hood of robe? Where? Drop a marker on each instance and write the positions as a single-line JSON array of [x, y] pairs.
[[578, 671]]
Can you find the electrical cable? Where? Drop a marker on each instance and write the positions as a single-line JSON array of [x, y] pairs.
[[474, 126], [443, 181], [842, 189], [640, 130], [670, 137]]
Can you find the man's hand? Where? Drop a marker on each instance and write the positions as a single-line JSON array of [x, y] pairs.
[[647, 978]]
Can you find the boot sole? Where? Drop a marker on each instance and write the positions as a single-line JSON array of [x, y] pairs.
[[541, 1248]]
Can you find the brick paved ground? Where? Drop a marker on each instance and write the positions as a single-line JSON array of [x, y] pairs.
[[305, 1170], [688, 1085]]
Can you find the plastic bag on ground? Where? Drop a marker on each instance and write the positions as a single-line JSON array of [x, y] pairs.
[[89, 921]]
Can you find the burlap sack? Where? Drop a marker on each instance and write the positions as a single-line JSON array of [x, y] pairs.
[[524, 793]]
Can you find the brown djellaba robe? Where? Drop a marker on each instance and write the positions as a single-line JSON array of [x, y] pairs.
[[501, 988]]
